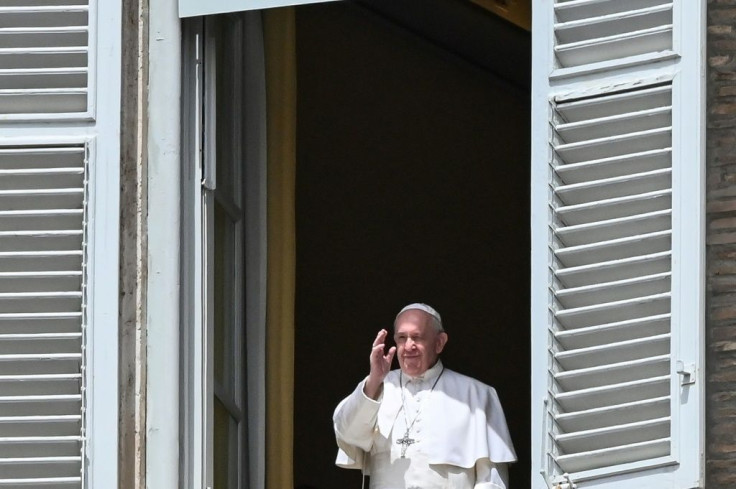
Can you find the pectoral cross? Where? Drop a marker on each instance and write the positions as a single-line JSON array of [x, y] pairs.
[[405, 442]]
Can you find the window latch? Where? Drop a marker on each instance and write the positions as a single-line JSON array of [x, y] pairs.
[[687, 371]]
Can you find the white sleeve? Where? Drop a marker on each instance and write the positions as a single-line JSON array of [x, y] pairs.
[[355, 419], [489, 475]]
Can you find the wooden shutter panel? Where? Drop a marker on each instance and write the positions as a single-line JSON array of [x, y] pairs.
[[612, 213], [42, 256], [45, 59], [617, 243]]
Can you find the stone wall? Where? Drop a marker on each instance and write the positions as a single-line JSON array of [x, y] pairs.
[[133, 243], [721, 246]]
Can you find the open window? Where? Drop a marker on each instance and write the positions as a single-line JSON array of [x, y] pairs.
[[617, 239], [412, 184]]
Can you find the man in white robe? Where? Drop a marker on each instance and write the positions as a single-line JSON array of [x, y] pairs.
[[422, 426]]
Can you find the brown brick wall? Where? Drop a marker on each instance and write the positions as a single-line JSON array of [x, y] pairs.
[[721, 246]]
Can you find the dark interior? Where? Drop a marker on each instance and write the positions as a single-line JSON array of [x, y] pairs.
[[412, 185]]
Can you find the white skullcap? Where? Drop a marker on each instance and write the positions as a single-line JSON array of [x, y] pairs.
[[424, 307]]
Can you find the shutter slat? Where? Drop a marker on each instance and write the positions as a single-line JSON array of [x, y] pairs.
[[42, 171], [617, 435], [41, 192], [40, 378], [602, 168], [619, 290], [617, 207], [616, 46], [612, 394], [612, 311], [614, 373], [39, 439], [613, 332], [615, 455], [40, 234], [612, 230], [64, 397], [38, 336], [38, 78], [610, 188], [614, 103], [39, 356], [611, 415], [642, 120], [605, 355], [610, 271], [35, 471], [614, 249], [46, 9], [5, 31], [615, 146], [40, 219], [40, 92], [39, 295], [39, 460], [7, 54], [46, 482], [40, 315], [48, 280], [55, 213]]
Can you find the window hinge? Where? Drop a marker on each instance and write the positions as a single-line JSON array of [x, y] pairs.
[[687, 371], [568, 484]]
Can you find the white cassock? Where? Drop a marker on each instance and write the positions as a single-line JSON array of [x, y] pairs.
[[458, 433]]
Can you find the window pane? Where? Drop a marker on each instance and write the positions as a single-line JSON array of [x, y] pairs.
[[221, 449], [223, 297]]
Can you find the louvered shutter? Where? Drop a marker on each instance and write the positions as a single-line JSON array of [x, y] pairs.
[[45, 59], [42, 216], [617, 235], [58, 239]]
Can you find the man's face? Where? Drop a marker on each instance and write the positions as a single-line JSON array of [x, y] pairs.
[[418, 343]]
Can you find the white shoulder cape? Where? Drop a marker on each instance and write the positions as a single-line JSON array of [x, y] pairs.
[[467, 416]]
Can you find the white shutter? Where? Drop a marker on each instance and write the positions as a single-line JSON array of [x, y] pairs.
[[42, 255], [45, 59], [617, 238]]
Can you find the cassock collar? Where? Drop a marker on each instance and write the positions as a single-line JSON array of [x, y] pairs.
[[430, 375]]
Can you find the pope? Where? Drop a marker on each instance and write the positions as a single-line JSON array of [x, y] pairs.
[[422, 425]]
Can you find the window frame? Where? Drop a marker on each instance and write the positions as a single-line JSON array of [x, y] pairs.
[[192, 8], [199, 192]]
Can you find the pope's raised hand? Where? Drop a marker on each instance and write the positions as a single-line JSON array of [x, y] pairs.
[[380, 365]]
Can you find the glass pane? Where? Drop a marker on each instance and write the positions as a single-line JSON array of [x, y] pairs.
[[222, 447], [223, 296], [227, 104]]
